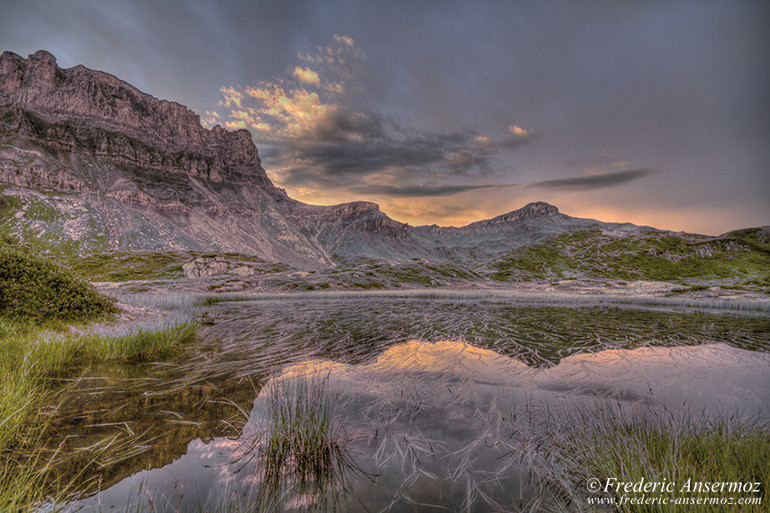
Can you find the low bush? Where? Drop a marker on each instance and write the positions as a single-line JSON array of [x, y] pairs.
[[35, 289]]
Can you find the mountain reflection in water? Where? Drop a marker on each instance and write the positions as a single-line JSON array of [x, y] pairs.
[[439, 423]]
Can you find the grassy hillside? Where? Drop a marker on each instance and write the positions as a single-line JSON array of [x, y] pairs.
[[123, 266], [58, 225], [742, 257]]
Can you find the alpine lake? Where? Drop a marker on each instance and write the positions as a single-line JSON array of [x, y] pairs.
[[398, 403]]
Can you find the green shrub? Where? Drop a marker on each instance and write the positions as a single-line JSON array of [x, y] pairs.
[[32, 288]]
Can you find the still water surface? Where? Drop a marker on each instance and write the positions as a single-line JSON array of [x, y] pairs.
[[431, 397]]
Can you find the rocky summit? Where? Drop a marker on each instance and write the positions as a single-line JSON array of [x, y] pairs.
[[78, 109]]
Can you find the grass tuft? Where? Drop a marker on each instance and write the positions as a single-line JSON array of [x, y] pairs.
[[302, 442], [608, 443], [300, 433]]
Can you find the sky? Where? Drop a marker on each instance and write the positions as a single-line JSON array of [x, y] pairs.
[[448, 112]]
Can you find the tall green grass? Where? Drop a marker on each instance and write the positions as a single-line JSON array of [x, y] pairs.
[[22, 396], [30, 359], [135, 343], [608, 443]]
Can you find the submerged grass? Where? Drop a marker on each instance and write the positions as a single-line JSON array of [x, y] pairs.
[[31, 358], [612, 447]]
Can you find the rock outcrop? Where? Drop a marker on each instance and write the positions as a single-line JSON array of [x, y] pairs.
[[535, 210]]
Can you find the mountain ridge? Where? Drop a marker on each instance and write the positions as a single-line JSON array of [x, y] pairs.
[[148, 176], [91, 165]]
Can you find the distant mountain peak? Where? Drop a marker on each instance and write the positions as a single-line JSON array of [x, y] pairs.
[[357, 207], [534, 210]]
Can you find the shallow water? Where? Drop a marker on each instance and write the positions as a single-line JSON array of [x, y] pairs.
[[266, 334], [427, 391]]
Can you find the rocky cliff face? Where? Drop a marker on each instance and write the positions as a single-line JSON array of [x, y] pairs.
[[78, 108], [88, 163]]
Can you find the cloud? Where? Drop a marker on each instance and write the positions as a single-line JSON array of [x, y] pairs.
[[309, 137], [346, 40], [307, 75], [281, 112], [231, 97], [414, 191], [518, 131], [598, 181], [340, 57], [339, 148], [516, 137]]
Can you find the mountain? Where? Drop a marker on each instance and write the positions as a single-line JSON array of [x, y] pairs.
[[98, 165], [90, 165]]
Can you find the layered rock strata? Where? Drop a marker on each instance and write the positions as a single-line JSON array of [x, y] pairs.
[[79, 109]]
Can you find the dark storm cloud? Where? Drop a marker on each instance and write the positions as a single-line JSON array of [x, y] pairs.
[[352, 149], [353, 145], [600, 181], [419, 191]]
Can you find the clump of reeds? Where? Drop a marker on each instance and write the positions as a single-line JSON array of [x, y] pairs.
[[302, 443]]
